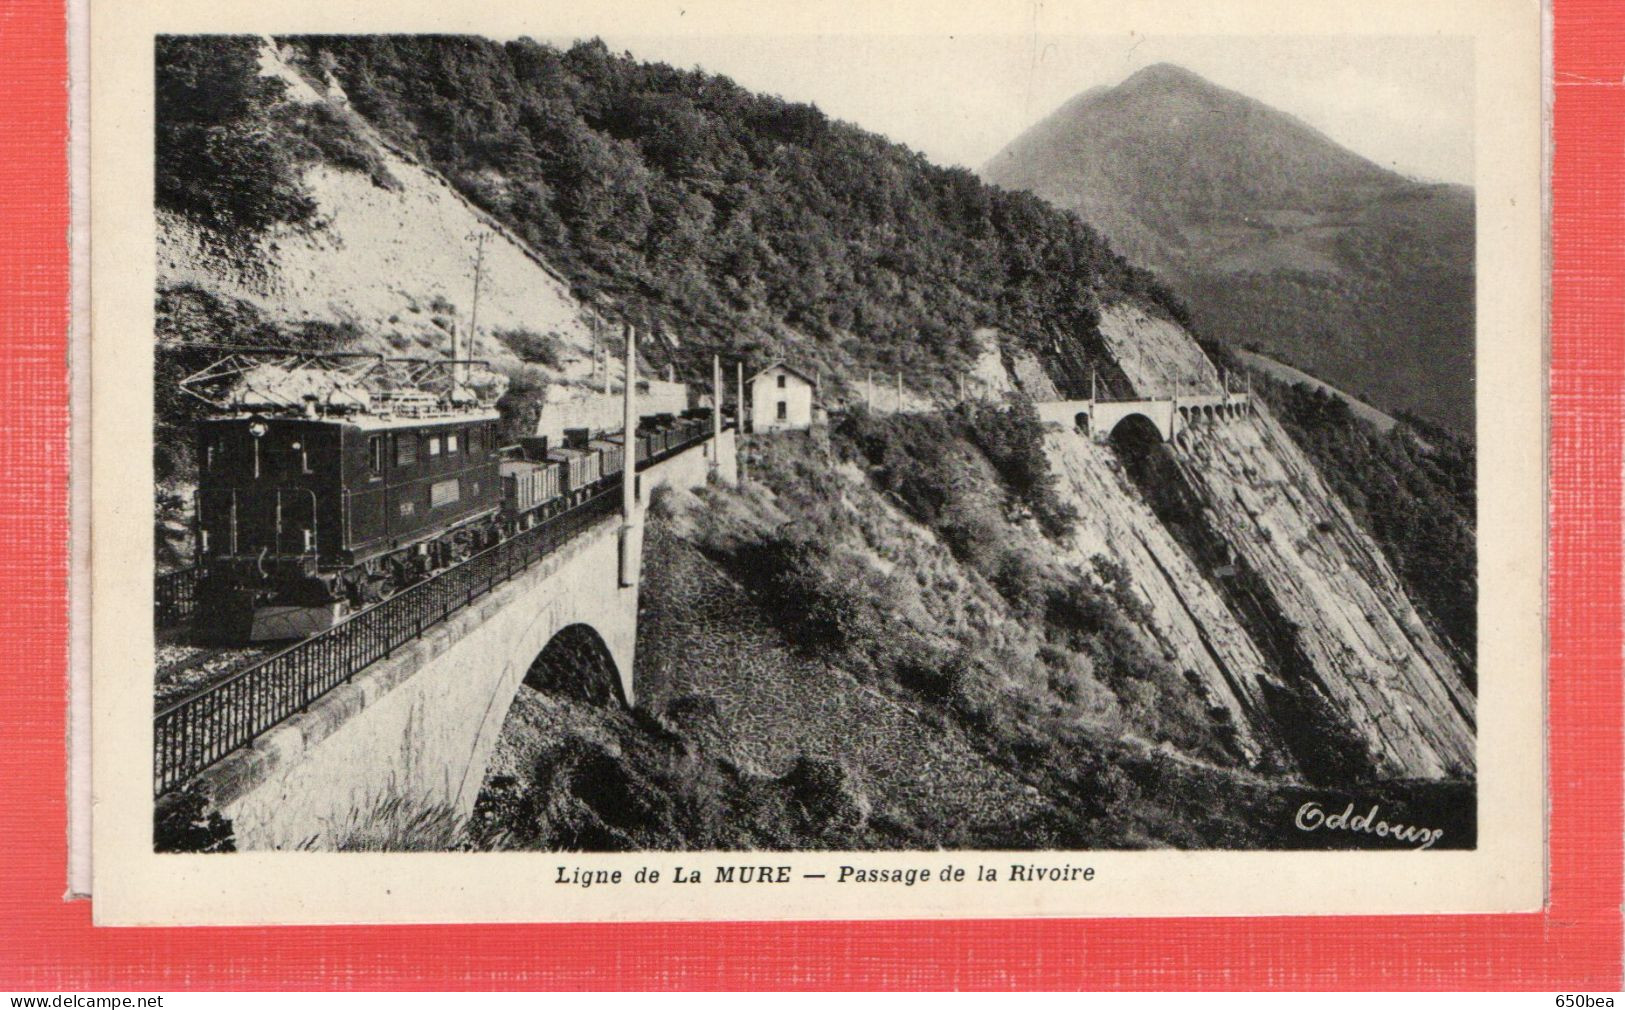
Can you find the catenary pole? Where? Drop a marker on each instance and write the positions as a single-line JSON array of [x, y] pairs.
[[629, 428]]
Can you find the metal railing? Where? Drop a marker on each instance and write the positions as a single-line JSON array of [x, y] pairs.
[[174, 596], [200, 730]]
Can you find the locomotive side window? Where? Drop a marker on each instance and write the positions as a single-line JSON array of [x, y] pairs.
[[406, 449], [375, 454]]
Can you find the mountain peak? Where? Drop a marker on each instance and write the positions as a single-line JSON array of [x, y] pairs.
[[1165, 75], [1271, 229], [1167, 134]]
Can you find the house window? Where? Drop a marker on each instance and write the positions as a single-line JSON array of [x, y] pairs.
[[451, 443], [434, 445], [407, 508], [375, 454], [475, 443], [443, 493], [406, 450], [784, 411], [781, 382]]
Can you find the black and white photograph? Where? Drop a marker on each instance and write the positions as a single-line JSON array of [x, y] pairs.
[[675, 443]]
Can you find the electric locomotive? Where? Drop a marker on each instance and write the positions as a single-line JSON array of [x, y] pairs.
[[318, 494], [329, 482]]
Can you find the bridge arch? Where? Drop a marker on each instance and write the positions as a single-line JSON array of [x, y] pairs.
[[1135, 431], [577, 662]]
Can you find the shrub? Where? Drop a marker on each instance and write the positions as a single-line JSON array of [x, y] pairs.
[[396, 824], [521, 403], [913, 457], [1012, 439], [181, 824], [532, 347]]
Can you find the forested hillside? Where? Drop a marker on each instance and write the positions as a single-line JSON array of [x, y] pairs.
[[731, 220]]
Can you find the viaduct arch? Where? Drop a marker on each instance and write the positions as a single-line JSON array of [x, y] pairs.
[[1136, 433], [576, 662]]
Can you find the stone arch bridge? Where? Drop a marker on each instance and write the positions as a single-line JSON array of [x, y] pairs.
[[1171, 415], [421, 723]]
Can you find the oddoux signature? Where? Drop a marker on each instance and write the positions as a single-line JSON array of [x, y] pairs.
[[1312, 817]]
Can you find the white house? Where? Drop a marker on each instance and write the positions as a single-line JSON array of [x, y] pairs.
[[781, 398]]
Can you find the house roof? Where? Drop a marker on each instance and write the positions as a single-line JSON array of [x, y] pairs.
[[810, 379]]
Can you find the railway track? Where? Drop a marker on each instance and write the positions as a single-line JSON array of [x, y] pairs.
[[183, 668]]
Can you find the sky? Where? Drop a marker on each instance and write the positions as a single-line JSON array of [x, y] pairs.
[[1406, 103]]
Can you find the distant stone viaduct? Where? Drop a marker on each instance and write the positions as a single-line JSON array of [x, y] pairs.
[[1170, 415]]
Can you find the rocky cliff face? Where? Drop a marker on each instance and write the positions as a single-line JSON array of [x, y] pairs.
[[1187, 616], [1353, 634], [1258, 579]]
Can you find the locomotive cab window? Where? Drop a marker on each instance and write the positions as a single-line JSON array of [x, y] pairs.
[[406, 450]]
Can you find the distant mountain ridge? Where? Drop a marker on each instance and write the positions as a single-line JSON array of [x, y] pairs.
[[1276, 235]]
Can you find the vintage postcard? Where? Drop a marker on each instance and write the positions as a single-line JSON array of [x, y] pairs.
[[592, 461]]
